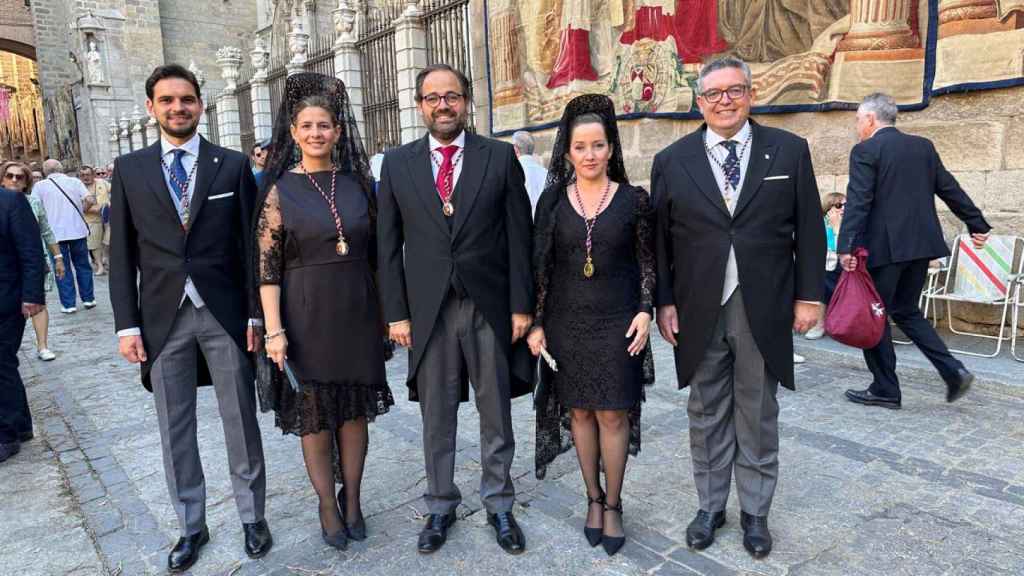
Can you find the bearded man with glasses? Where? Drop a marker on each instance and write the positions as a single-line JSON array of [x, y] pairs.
[[454, 231], [741, 255]]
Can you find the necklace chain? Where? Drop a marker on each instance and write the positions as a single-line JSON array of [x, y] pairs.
[[183, 186], [342, 246], [729, 190], [588, 268]]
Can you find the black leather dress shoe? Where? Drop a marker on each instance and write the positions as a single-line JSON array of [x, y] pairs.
[[435, 533], [957, 388], [257, 539], [866, 398], [186, 551], [701, 532], [507, 532], [8, 450], [756, 537]]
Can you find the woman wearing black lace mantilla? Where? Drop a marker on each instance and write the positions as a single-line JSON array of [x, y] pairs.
[[594, 263], [323, 372]]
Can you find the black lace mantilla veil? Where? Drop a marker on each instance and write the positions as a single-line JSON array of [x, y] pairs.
[[349, 158], [554, 432]]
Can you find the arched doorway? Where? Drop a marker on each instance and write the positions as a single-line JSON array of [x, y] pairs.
[[22, 132]]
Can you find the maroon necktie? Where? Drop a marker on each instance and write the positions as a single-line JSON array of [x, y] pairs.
[[446, 173]]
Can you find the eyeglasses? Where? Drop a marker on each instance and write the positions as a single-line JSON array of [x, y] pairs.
[[451, 98], [15, 177], [734, 92]]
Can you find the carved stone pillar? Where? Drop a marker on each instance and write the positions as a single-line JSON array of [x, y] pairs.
[[410, 57], [262, 118], [204, 122], [114, 145], [152, 131], [879, 25], [136, 129], [959, 10], [348, 66], [124, 134], [229, 125], [298, 46]]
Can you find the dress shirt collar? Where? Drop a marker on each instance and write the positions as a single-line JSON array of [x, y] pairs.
[[714, 139], [459, 141], [191, 147]]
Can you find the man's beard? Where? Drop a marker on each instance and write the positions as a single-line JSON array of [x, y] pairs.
[[447, 133], [180, 133]]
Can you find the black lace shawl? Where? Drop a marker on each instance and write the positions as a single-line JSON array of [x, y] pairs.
[[554, 432], [349, 158]]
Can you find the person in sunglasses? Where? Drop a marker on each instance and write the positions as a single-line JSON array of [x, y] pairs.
[[16, 177], [832, 206]]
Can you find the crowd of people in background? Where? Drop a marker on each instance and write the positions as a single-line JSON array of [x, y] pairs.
[[300, 265]]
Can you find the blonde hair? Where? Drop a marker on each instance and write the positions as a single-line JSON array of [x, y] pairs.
[[24, 168], [831, 200]]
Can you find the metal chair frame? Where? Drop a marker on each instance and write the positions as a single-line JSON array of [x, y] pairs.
[[1010, 298], [1015, 323]]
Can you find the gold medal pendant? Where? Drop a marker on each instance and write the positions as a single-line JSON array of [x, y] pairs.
[[448, 209], [588, 268], [341, 247]]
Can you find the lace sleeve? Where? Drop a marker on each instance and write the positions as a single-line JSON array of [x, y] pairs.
[[645, 249], [270, 237]]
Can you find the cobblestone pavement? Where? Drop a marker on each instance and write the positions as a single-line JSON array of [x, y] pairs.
[[934, 489]]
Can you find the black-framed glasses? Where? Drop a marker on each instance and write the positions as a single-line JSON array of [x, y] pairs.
[[15, 177], [714, 95], [451, 98]]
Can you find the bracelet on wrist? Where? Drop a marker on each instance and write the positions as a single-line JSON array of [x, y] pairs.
[[270, 336]]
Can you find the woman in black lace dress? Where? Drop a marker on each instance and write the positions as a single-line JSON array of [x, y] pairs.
[[595, 283], [323, 372]]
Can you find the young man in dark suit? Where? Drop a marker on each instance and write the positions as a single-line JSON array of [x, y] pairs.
[[454, 230], [741, 263], [22, 270], [181, 214], [894, 179]]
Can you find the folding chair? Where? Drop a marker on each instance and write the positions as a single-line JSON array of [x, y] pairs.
[[1017, 307], [988, 277], [923, 302]]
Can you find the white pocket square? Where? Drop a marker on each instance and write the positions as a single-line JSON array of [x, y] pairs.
[[230, 194], [782, 177]]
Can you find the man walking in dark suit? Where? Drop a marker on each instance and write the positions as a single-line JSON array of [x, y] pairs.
[[181, 218], [461, 296], [22, 270], [741, 261], [894, 178]]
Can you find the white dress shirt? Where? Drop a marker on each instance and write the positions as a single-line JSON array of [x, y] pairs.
[[65, 218], [438, 158], [189, 160], [536, 178], [717, 155]]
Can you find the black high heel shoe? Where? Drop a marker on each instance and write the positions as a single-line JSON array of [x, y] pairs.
[[356, 531], [593, 535], [612, 544], [337, 540]]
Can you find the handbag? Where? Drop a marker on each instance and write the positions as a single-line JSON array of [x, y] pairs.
[[543, 372], [856, 315]]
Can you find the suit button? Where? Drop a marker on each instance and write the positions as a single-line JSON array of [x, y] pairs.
[[188, 260], [732, 233]]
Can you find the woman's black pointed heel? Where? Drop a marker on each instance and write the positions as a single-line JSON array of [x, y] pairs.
[[612, 544], [593, 534]]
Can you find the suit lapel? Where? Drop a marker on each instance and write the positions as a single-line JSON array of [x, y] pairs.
[[474, 166], [695, 161], [210, 159], [153, 174], [422, 177], [761, 159]]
